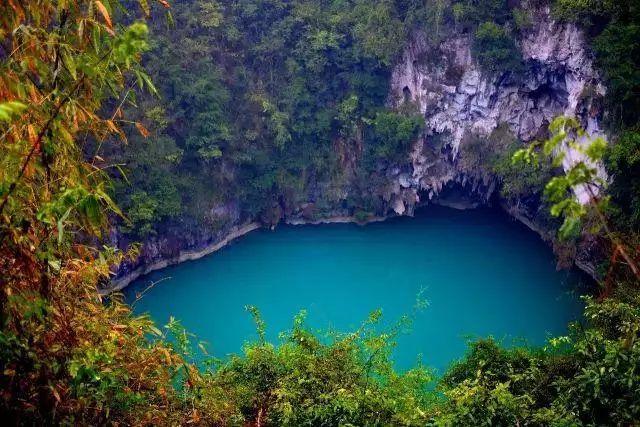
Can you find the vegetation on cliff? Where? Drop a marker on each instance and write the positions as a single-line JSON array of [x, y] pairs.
[[264, 101], [274, 104], [614, 31], [302, 79]]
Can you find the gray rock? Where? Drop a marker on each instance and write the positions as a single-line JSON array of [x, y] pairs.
[[558, 69]]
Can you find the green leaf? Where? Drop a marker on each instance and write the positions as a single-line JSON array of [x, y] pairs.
[[570, 228], [69, 63], [54, 264], [61, 225], [595, 151], [155, 330], [10, 109]]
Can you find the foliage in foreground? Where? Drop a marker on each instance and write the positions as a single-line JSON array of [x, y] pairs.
[[317, 379], [67, 357], [587, 378], [64, 356]]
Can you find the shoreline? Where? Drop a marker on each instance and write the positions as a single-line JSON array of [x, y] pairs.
[[120, 283], [236, 232]]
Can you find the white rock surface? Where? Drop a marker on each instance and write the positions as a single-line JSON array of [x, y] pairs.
[[559, 69]]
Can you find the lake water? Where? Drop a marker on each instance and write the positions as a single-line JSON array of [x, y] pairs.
[[480, 272]]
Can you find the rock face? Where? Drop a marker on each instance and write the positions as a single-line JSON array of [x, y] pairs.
[[180, 242], [457, 98]]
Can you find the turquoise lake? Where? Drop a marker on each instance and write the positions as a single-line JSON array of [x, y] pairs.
[[480, 272]]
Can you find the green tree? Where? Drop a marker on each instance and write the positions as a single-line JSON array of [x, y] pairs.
[[394, 134], [623, 162], [340, 379], [495, 50]]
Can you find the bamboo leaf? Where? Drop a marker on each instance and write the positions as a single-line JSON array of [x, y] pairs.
[[69, 63], [105, 14], [143, 130], [10, 109], [144, 5]]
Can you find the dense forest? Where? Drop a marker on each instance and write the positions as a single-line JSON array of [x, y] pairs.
[[258, 99], [131, 117]]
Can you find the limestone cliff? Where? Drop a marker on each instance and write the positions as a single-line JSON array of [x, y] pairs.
[[458, 98]]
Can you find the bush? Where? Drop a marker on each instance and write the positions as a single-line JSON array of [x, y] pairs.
[[394, 133], [522, 19], [618, 55], [361, 217], [471, 13], [495, 50], [589, 377], [521, 180], [342, 379]]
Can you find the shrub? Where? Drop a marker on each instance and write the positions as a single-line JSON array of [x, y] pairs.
[[495, 50], [393, 134]]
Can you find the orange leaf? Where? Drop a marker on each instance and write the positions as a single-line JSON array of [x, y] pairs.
[[167, 356], [164, 3], [105, 13], [32, 134], [143, 130], [112, 126], [33, 94], [55, 394]]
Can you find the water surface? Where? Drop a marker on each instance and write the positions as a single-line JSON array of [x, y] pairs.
[[481, 273]]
